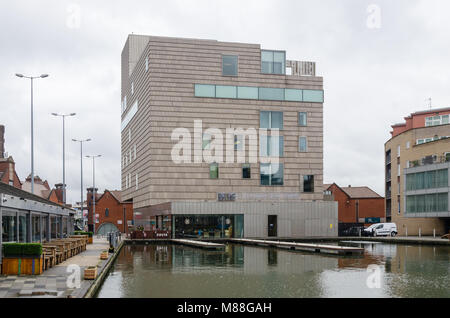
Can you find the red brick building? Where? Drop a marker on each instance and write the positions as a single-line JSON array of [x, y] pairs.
[[112, 214], [357, 205], [8, 173]]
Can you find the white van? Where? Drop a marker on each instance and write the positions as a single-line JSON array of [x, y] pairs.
[[382, 229]]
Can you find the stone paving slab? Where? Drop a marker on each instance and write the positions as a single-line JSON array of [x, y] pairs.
[[53, 282]]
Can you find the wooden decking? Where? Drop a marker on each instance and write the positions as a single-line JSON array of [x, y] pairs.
[[315, 248], [201, 244]]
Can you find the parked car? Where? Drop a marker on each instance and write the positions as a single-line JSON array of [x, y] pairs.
[[381, 229]]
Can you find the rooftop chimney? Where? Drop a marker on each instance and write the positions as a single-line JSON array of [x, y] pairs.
[[2, 141]]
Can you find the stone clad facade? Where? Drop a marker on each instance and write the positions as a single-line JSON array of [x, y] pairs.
[[158, 79]]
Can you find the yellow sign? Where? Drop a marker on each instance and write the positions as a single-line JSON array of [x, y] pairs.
[[331, 226]]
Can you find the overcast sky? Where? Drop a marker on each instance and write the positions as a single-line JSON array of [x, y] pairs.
[[376, 71]]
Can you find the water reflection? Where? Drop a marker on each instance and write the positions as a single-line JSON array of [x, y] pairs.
[[245, 271]]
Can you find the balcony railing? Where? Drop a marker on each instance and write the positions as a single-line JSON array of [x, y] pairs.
[[429, 160], [301, 68]]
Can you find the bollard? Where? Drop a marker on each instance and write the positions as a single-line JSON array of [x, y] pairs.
[[420, 232], [434, 233], [406, 232]]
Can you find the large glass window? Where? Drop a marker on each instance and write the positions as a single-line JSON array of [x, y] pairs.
[[271, 93], [427, 180], [308, 184], [44, 227], [36, 227], [9, 226], [65, 221], [214, 171], [261, 93], [54, 223], [247, 92], [271, 120], [273, 62], [208, 226], [437, 202], [205, 90], [314, 96], [272, 174], [294, 95], [226, 91], [229, 65], [271, 146], [23, 227]]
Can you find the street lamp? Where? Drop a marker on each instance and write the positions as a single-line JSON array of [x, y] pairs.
[[93, 188], [32, 133], [81, 148], [63, 116]]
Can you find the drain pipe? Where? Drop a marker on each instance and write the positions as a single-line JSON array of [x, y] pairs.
[[420, 232]]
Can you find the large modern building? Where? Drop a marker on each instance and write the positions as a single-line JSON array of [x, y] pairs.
[[417, 173], [170, 87]]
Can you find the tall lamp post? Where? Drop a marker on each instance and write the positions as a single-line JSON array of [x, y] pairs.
[[81, 148], [93, 189], [32, 128], [63, 116]]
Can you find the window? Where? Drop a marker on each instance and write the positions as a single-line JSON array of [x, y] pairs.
[[313, 96], [271, 93], [303, 119], [146, 64], [434, 179], [214, 171], [437, 120], [408, 145], [293, 95], [129, 135], [247, 92], [137, 182], [205, 90], [206, 144], [271, 120], [238, 142], [272, 174], [106, 212], [308, 184], [273, 62], [271, 146], [229, 65], [437, 202], [9, 226], [132, 88], [398, 151], [399, 169], [302, 144], [246, 172], [135, 152], [261, 93], [226, 91]]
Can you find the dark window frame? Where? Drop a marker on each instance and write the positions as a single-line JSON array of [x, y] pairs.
[[237, 64]]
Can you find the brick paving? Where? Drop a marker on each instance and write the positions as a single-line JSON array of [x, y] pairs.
[[53, 282]]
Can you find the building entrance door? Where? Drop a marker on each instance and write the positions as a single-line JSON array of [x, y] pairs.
[[272, 222]]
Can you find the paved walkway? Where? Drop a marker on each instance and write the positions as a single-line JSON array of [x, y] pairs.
[[54, 281]]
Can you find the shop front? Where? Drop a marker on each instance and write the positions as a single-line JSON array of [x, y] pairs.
[[209, 226]]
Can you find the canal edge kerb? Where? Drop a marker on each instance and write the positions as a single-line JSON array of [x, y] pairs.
[[102, 276]]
